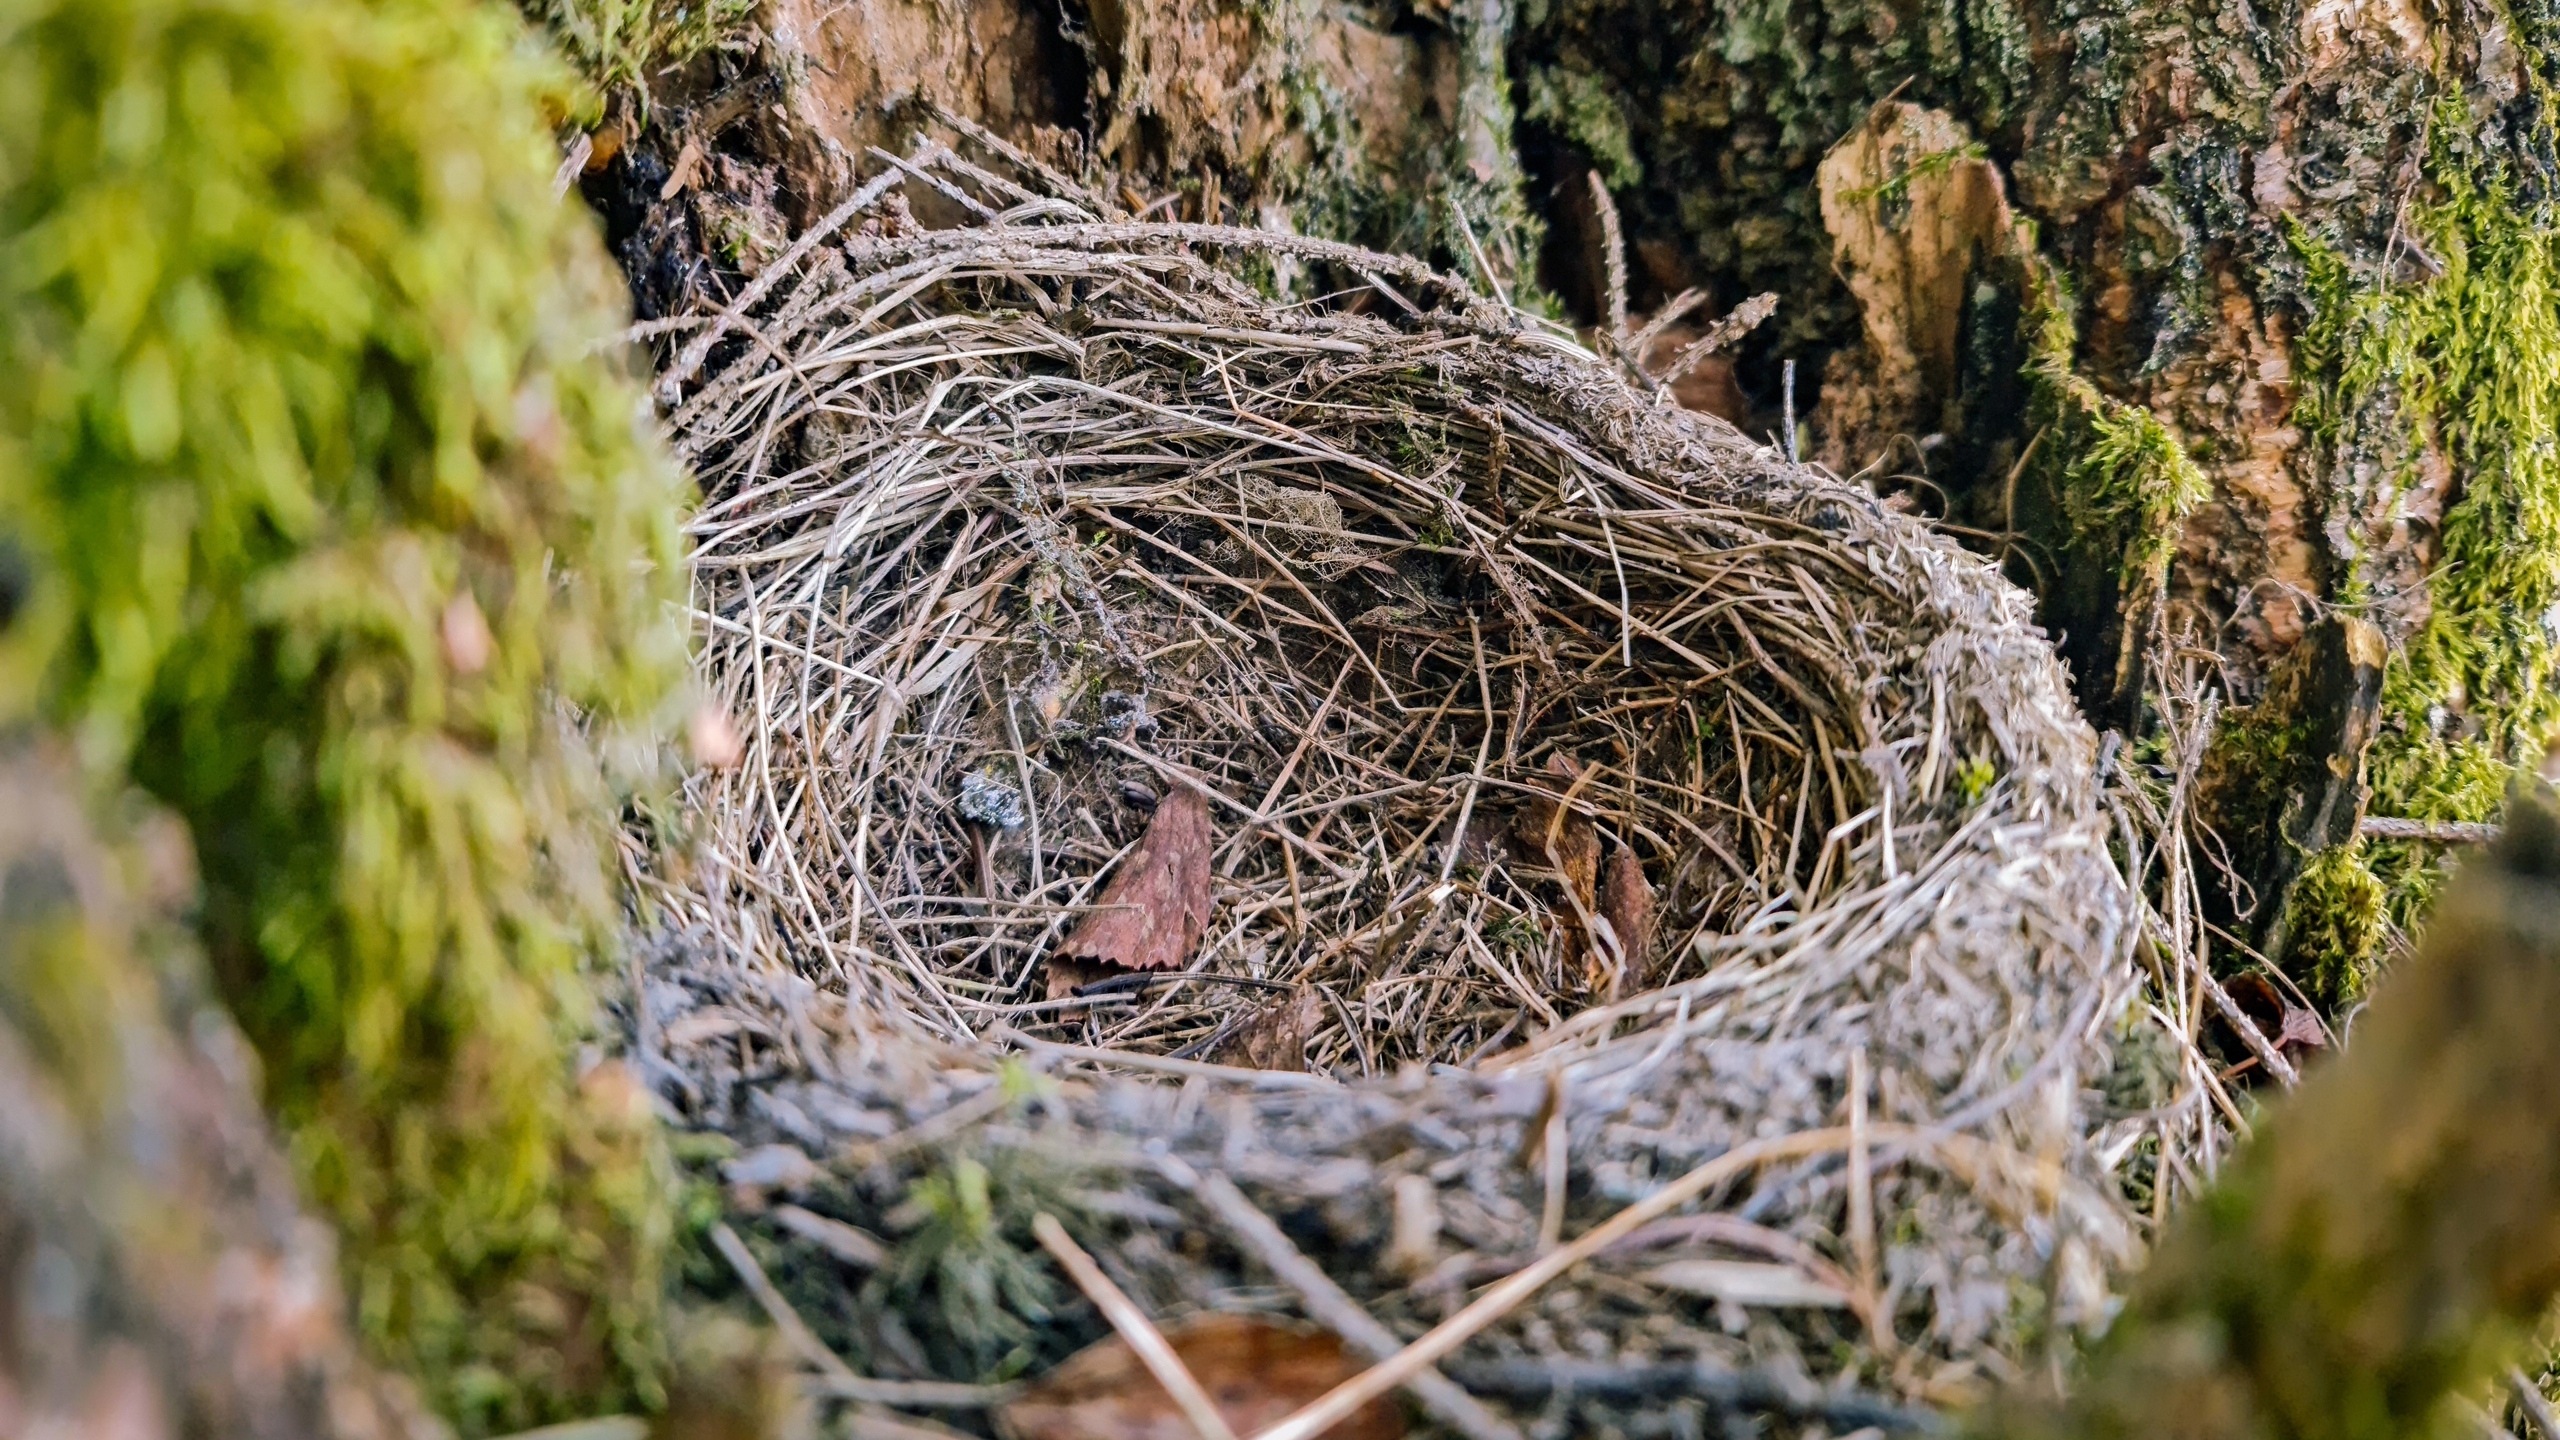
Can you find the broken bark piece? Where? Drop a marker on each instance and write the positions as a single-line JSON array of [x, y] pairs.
[[1255, 1372], [1152, 913], [1626, 902]]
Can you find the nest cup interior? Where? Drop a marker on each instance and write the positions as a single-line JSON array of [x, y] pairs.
[[1485, 724]]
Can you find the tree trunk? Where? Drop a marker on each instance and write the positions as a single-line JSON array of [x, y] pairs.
[[2230, 325]]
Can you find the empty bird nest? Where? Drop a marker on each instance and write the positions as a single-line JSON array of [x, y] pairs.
[[1340, 803]]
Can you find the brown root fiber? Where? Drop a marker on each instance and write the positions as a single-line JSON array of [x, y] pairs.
[[1475, 650]]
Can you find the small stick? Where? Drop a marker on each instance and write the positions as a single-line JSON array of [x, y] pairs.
[[1554, 1144], [1862, 1208], [1788, 401], [2529, 1400], [785, 1319], [1167, 1065], [1144, 1338], [1328, 1306], [2440, 832], [1336, 1404]]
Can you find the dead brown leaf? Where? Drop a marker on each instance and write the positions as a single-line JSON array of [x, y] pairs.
[[686, 172], [1276, 1037], [1626, 902], [1152, 913], [1255, 1371], [2300, 1031]]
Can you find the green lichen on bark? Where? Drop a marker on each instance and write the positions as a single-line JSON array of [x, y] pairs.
[[328, 512], [1447, 188]]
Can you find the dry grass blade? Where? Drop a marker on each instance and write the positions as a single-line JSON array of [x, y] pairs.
[[1135, 1328]]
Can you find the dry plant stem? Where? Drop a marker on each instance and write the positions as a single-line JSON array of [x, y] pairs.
[[1328, 1306], [1141, 1334], [777, 1309], [1862, 1210], [2529, 1399], [2441, 832], [921, 1394], [1614, 257], [2250, 1035], [1336, 1404], [1167, 1065]]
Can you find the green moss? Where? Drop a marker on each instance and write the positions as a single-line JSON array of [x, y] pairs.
[[2125, 481], [619, 43], [328, 513], [1578, 106], [966, 1273], [2466, 363], [2335, 923]]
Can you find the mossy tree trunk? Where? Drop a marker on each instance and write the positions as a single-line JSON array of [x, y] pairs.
[[2253, 344]]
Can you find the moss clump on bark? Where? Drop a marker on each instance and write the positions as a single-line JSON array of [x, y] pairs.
[[2121, 481], [2462, 366], [2337, 921], [327, 512], [619, 43]]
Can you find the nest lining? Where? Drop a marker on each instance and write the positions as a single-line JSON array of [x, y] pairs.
[[1047, 519]]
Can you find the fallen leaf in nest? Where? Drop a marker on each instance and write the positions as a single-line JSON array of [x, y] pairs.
[[1255, 1371], [1626, 902], [2300, 1031], [1276, 1037], [1152, 913]]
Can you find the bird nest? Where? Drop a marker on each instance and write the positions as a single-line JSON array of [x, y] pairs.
[[1343, 803]]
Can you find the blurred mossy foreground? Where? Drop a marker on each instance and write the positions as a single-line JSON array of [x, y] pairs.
[[326, 519]]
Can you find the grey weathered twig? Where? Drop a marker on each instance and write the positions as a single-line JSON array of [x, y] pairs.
[[1328, 1306]]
